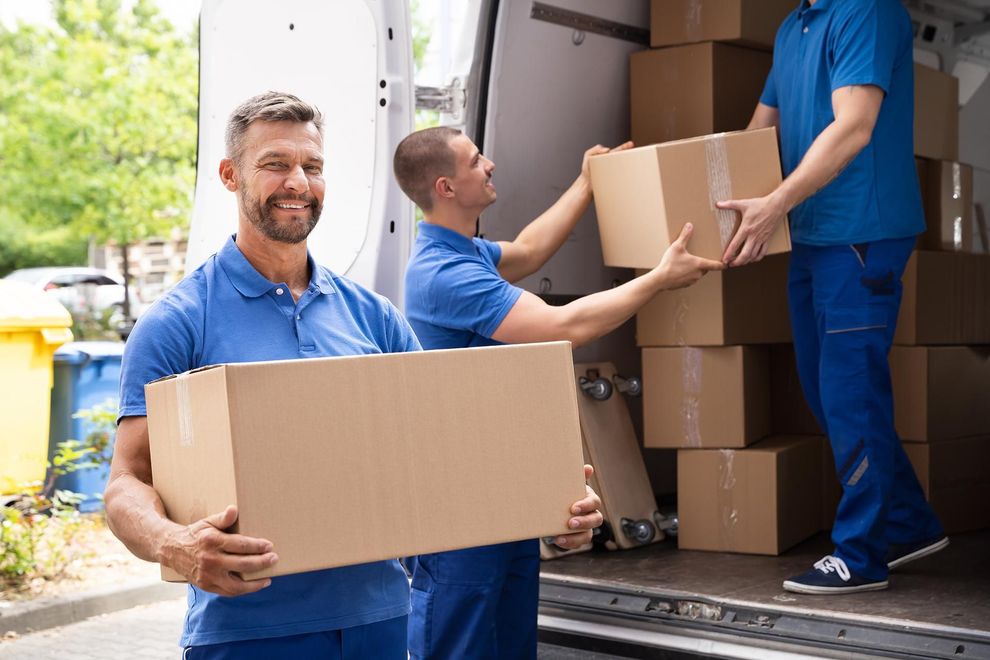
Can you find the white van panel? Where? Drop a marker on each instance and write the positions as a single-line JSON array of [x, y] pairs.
[[353, 60]]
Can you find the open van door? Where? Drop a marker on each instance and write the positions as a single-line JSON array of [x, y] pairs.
[[353, 59]]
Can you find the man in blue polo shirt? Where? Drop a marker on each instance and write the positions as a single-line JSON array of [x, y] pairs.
[[262, 297], [841, 92], [482, 602]]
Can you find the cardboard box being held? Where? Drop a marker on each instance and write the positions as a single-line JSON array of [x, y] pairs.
[[760, 500], [945, 299], [746, 305], [955, 475], [705, 397], [936, 114], [645, 196], [947, 195], [675, 22], [940, 392], [349, 460], [687, 91]]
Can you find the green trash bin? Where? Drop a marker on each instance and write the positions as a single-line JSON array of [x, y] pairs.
[[32, 326]]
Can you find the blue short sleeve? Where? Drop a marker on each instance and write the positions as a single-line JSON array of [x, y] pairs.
[[469, 296], [861, 47], [769, 95], [399, 336]]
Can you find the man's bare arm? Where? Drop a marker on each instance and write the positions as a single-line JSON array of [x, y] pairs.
[[764, 116]]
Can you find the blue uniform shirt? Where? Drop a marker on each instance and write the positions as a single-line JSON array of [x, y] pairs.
[[455, 297], [226, 311], [833, 44]]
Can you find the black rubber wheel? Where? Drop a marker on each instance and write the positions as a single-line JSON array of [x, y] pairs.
[[640, 531], [599, 389]]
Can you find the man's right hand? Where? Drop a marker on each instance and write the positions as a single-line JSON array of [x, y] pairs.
[[679, 267], [213, 560]]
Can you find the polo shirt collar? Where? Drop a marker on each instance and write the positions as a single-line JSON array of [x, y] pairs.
[[439, 234], [821, 5], [252, 284]]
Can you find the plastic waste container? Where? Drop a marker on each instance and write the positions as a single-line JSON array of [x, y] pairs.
[[32, 326], [87, 374]]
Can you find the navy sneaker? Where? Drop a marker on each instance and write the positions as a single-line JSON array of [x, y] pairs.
[[902, 553], [831, 576]]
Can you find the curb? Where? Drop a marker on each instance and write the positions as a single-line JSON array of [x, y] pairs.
[[62, 611]]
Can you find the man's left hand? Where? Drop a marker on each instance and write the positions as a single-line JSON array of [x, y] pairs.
[[597, 150], [587, 516], [760, 218]]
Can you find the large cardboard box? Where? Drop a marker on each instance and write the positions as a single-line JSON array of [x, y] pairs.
[[790, 412], [945, 299], [751, 22], [687, 91], [761, 500], [349, 460], [947, 195], [746, 305], [940, 392], [936, 114], [705, 397], [645, 196], [955, 475]]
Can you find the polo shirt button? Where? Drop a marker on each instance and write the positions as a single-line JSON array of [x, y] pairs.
[[299, 318], [279, 291], [805, 30]]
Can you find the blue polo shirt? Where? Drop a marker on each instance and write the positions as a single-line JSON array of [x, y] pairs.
[[820, 48], [226, 311], [455, 297]]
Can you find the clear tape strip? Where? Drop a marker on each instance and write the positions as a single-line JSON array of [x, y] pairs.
[[185, 410], [693, 19], [728, 514], [957, 228], [956, 181], [720, 186], [691, 399]]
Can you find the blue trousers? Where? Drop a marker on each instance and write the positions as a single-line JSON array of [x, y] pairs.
[[385, 640], [476, 603], [844, 301]]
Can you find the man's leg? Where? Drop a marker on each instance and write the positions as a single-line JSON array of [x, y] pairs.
[[455, 598], [515, 627], [805, 328]]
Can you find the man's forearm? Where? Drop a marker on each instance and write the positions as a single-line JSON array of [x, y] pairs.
[[136, 516], [600, 313]]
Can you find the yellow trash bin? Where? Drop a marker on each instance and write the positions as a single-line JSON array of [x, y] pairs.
[[32, 326]]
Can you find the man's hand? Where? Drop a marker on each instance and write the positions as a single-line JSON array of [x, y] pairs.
[[213, 560], [587, 517], [596, 151], [680, 268], [760, 218]]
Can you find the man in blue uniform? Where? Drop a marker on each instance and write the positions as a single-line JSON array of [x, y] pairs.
[[482, 602], [262, 297], [841, 92]]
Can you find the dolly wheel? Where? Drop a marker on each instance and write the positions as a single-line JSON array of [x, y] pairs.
[[631, 386], [599, 389], [640, 531]]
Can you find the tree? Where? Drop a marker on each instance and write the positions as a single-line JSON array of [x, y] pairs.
[[98, 123]]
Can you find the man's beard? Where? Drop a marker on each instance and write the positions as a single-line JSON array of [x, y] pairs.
[[292, 231]]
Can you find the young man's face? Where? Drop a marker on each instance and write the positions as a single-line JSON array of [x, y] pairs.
[[472, 180], [279, 179]]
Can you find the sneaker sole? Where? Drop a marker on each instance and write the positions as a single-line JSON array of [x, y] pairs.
[[798, 588], [941, 544]]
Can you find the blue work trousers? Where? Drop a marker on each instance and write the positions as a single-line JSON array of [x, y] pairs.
[[476, 603], [844, 301]]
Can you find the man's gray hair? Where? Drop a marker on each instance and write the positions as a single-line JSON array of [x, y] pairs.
[[269, 106]]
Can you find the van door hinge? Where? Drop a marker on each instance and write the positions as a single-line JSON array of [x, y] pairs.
[[449, 100]]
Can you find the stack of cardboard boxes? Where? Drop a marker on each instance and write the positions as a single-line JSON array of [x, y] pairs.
[[940, 365]]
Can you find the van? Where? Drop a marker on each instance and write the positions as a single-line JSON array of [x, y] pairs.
[[539, 83]]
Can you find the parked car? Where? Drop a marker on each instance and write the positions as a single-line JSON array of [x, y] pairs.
[[80, 289]]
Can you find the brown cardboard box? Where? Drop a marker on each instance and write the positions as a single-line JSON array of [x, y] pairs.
[[348, 460], [748, 22], [936, 114], [705, 397], [687, 91], [945, 299], [955, 475], [645, 196], [746, 305], [790, 413], [760, 500], [947, 195], [940, 392]]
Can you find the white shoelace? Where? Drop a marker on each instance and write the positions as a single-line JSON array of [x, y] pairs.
[[828, 563]]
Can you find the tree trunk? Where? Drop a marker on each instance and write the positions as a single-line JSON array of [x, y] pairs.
[[126, 268]]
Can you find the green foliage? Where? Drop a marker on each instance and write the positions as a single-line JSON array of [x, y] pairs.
[[22, 246], [38, 526], [97, 128]]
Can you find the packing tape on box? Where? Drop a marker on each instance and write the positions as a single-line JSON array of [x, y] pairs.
[[680, 318], [691, 388], [692, 23], [185, 410], [957, 228], [720, 186], [727, 512]]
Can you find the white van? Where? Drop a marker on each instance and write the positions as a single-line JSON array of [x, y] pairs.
[[539, 83]]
